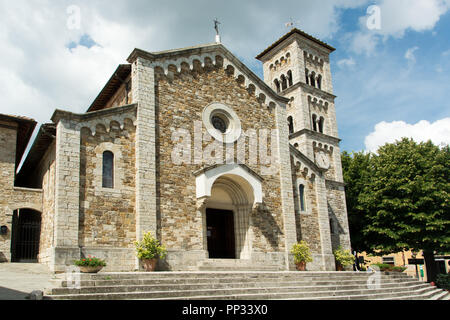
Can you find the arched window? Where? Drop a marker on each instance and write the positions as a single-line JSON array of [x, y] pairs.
[[283, 82], [312, 79], [291, 125], [319, 82], [321, 123], [307, 76], [332, 229], [290, 80], [108, 169], [314, 122], [301, 190], [277, 85]]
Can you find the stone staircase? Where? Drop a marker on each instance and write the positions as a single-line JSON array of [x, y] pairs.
[[248, 285], [235, 265]]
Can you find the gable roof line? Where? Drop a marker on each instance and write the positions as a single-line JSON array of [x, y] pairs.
[[178, 56], [303, 157]]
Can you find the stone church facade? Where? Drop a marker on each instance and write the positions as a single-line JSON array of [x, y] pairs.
[[224, 168]]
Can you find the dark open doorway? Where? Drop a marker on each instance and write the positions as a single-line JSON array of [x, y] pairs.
[[220, 233], [26, 230]]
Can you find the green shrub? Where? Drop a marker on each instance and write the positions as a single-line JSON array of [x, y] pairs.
[[90, 262], [343, 257], [150, 248], [388, 267], [443, 281], [301, 252]]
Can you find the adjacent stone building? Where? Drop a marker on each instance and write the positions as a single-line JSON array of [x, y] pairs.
[[224, 168]]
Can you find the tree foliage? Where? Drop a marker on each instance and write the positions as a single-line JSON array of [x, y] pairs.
[[398, 199]]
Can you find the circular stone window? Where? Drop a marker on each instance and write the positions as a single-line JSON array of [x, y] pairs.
[[222, 123]]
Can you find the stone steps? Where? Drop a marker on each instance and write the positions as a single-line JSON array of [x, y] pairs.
[[243, 293], [187, 287], [235, 264], [259, 285], [221, 281]]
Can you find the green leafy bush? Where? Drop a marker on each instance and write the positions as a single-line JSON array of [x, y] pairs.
[[150, 248], [388, 267], [343, 257], [90, 262], [443, 281], [301, 252]]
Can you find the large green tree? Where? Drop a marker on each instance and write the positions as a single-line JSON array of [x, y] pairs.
[[403, 200], [356, 174]]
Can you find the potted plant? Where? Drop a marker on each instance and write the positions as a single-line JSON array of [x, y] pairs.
[[149, 250], [343, 258], [302, 255], [90, 264]]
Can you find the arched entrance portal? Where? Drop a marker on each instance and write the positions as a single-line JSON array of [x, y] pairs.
[[26, 230], [227, 217]]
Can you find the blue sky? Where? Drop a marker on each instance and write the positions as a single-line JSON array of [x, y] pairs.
[[390, 82]]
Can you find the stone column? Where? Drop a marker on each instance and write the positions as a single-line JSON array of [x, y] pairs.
[[143, 90], [328, 263], [287, 196], [67, 196]]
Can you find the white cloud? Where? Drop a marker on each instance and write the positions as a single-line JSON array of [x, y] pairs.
[[398, 16], [409, 55], [418, 15], [388, 132], [40, 72], [346, 63]]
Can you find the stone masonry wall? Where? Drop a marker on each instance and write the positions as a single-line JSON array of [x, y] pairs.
[[107, 216], [180, 102], [8, 135], [47, 171], [337, 211]]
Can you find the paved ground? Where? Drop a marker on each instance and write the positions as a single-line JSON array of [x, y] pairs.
[[17, 280]]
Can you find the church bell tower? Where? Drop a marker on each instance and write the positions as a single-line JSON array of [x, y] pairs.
[[297, 66]]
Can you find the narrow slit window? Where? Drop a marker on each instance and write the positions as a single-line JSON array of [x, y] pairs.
[[302, 197], [314, 122], [108, 169], [291, 125], [321, 123]]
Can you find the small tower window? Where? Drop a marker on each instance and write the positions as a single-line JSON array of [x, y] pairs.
[[277, 85], [301, 190], [108, 169], [291, 125], [307, 76], [314, 122], [283, 82], [312, 79], [321, 123], [319, 82], [290, 80]]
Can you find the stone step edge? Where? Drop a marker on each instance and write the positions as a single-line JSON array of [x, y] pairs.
[[241, 272], [63, 283], [223, 276], [268, 285], [203, 290], [432, 295], [224, 297]]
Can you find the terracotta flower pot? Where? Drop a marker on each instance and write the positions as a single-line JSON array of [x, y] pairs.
[[301, 266], [88, 269], [339, 267], [149, 264]]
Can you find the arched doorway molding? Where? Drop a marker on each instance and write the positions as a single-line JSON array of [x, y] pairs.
[[232, 187]]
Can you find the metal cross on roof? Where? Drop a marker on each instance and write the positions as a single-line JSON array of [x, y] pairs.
[[291, 24], [216, 25]]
